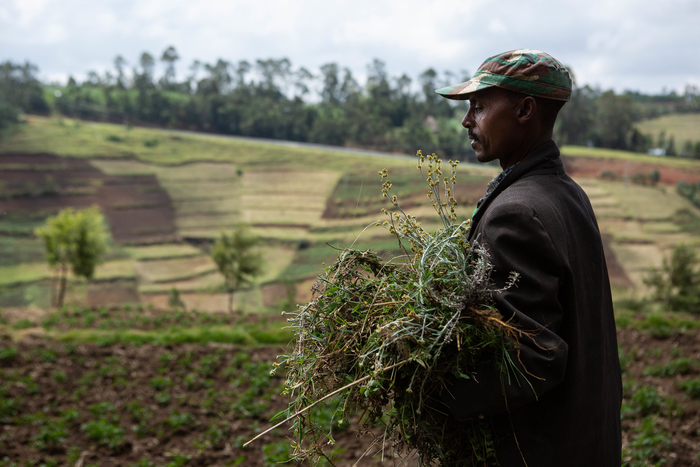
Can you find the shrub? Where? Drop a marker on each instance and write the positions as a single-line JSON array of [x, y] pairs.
[[680, 366], [645, 401], [217, 433], [159, 383], [47, 355], [625, 358], [207, 365], [50, 436], [662, 325], [645, 446], [7, 354], [102, 408], [8, 408], [163, 398], [178, 461], [677, 284], [692, 387], [104, 433], [75, 239], [70, 416], [608, 175], [23, 324], [143, 463], [237, 259], [114, 139], [59, 376], [276, 453], [178, 420]]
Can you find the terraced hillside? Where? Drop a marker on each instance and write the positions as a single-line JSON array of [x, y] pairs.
[[168, 195], [122, 376], [303, 204]]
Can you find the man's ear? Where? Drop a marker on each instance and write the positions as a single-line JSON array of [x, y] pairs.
[[527, 109]]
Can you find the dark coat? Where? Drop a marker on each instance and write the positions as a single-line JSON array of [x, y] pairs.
[[539, 223]]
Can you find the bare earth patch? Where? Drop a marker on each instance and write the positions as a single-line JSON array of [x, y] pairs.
[[137, 208], [199, 403], [590, 167]]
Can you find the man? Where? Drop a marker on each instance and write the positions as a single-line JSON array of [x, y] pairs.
[[562, 406]]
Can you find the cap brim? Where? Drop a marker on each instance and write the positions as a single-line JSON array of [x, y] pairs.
[[461, 91]]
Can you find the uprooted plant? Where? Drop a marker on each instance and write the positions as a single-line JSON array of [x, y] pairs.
[[380, 337]]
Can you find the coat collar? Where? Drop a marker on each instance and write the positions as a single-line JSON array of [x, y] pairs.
[[544, 159]]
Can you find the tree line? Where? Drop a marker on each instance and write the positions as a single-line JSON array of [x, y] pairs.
[[271, 98]]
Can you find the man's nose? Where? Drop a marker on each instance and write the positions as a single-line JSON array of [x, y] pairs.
[[467, 121]]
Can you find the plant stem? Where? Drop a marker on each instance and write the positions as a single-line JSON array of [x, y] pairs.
[[327, 396]]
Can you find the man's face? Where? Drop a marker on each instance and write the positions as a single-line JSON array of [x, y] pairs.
[[493, 125]]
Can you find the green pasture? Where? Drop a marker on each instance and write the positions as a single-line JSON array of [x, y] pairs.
[[285, 194], [33, 272], [20, 225], [601, 153], [273, 333], [173, 269], [163, 251], [299, 201], [18, 250], [104, 140], [683, 127], [644, 223], [203, 283]]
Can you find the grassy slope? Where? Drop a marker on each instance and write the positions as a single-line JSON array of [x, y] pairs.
[[683, 127], [643, 223], [642, 220], [216, 183], [601, 153], [89, 140]]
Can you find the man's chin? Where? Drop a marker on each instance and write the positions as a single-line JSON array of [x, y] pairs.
[[481, 157]]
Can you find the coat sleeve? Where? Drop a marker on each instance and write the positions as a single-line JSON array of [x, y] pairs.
[[517, 241]]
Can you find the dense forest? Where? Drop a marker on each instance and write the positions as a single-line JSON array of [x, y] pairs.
[[273, 99]]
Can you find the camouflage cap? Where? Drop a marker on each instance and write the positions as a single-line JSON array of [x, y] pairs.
[[527, 71]]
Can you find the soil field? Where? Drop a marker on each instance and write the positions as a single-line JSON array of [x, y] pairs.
[[617, 274], [138, 209], [589, 167], [195, 405], [121, 405]]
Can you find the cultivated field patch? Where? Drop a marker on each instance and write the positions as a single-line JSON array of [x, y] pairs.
[[683, 127], [162, 251], [136, 207], [168, 270], [134, 401], [203, 283], [642, 223]]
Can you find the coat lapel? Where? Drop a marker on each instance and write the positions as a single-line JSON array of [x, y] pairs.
[[543, 159]]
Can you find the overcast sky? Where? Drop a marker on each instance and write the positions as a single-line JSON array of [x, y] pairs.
[[640, 45]]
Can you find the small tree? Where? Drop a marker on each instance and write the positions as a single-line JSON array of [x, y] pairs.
[[77, 239], [677, 284], [236, 259], [174, 300]]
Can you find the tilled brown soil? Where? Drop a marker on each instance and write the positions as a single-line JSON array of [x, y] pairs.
[[678, 415], [188, 404], [139, 210], [594, 167], [196, 405]]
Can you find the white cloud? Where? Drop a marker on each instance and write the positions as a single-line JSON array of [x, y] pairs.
[[638, 44]]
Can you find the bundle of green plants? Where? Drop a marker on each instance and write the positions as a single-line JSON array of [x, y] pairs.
[[381, 336]]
